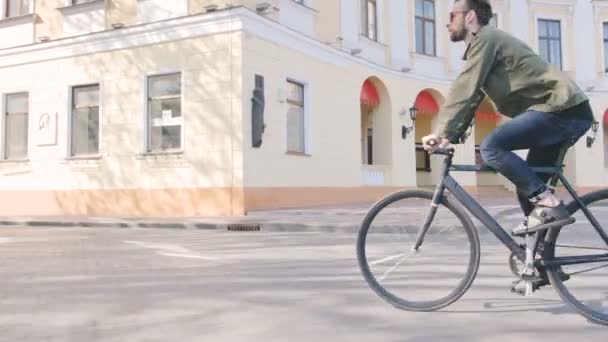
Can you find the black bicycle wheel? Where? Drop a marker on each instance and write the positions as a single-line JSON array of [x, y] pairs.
[[442, 270], [583, 286]]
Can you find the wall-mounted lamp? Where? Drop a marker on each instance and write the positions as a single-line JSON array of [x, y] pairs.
[[406, 130], [594, 127], [210, 8], [265, 8]]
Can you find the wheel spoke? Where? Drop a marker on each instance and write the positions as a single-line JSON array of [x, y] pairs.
[[579, 247], [390, 270], [587, 270]]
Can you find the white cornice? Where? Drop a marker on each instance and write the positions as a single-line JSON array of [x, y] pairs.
[[224, 21]]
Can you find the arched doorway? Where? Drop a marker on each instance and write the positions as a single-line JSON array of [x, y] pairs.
[[376, 137], [427, 104], [486, 120]]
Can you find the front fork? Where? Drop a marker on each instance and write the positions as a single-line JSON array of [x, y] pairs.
[[437, 196]]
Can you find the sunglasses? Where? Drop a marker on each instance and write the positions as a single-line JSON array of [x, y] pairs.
[[453, 14]]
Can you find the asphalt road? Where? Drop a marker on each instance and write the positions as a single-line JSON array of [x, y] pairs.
[[112, 284]]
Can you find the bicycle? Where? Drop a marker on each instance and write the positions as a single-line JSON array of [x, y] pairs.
[[534, 261]]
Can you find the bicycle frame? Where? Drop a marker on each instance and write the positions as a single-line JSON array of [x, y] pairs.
[[448, 182]]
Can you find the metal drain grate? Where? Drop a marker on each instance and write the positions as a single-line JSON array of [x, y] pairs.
[[244, 227]]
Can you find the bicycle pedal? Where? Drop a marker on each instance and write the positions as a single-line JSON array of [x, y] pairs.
[[545, 226], [523, 288]]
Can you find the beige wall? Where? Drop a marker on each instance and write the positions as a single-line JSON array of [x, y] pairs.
[[328, 22], [121, 177], [121, 11], [48, 20]]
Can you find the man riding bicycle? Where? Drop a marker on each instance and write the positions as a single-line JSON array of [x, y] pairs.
[[548, 108]]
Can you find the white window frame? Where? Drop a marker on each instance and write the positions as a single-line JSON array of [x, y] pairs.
[[307, 115], [564, 38], [69, 153], [3, 125], [365, 28], [436, 23], [146, 133], [3, 9]]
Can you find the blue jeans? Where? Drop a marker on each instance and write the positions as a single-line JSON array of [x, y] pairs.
[[543, 134]]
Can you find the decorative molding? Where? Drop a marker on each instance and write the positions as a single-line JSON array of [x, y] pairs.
[[199, 25]]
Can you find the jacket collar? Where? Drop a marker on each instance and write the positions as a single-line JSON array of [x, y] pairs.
[[470, 38]]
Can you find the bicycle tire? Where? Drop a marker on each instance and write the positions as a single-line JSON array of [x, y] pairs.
[[560, 285], [474, 259]]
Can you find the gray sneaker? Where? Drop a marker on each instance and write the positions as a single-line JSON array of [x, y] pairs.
[[544, 215]]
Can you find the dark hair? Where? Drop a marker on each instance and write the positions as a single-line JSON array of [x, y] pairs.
[[482, 9]]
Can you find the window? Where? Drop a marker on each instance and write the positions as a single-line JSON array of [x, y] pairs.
[[295, 117], [369, 19], [423, 159], [605, 47], [550, 41], [78, 2], [164, 113], [16, 126], [85, 120], [425, 27], [16, 8]]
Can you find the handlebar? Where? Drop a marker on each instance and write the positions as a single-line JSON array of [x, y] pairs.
[[443, 151]]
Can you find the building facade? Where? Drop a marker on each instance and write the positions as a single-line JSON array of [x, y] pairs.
[[201, 107]]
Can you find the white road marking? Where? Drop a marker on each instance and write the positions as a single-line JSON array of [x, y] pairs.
[[188, 255], [170, 250]]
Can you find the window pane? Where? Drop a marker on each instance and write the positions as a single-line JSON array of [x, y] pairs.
[[419, 36], [85, 131], [429, 36], [16, 136], [543, 49], [165, 137], [295, 92], [420, 160], [555, 51], [170, 107], [86, 96], [295, 129], [542, 28], [605, 55], [429, 10], [419, 8], [605, 30], [554, 27], [164, 85], [17, 103], [371, 13]]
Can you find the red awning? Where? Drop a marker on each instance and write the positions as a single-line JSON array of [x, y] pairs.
[[606, 117], [486, 111], [426, 104], [487, 116], [369, 94]]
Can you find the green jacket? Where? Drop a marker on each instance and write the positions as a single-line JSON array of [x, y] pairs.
[[511, 74]]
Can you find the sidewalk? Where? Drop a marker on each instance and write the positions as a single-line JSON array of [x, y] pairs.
[[345, 218]]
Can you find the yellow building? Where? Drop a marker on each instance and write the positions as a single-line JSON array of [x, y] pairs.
[[187, 108]]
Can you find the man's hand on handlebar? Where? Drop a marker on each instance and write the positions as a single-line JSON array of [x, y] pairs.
[[432, 142]]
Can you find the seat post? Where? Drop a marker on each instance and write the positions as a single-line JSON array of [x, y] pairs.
[[559, 164]]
